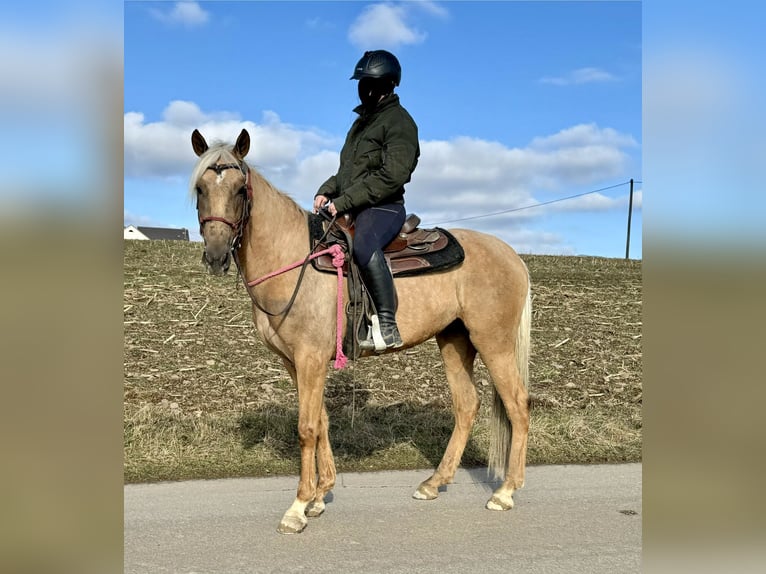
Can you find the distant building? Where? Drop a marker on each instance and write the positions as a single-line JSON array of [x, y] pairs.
[[140, 232]]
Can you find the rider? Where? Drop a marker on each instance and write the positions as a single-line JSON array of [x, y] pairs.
[[380, 153]]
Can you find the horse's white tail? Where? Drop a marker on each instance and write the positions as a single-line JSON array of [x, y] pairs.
[[500, 425]]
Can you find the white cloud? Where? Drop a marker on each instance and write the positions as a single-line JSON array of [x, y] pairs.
[[383, 26], [580, 76], [129, 218], [181, 113], [467, 172], [455, 179], [584, 135], [432, 8], [163, 149], [309, 173], [185, 13], [590, 202], [468, 177]]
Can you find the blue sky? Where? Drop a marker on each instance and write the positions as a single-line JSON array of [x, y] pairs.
[[517, 103]]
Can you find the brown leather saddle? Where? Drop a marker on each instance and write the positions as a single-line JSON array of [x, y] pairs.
[[413, 250]]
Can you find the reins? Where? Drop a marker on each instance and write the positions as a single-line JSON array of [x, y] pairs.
[[303, 265], [239, 227], [338, 259]]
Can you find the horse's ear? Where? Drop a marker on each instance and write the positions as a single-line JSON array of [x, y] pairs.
[[198, 143], [243, 144]]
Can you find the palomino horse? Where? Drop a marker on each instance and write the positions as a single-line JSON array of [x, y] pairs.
[[482, 305]]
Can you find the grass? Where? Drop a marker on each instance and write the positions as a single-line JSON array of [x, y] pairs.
[[204, 398]]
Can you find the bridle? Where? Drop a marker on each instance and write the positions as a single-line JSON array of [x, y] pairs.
[[239, 226]]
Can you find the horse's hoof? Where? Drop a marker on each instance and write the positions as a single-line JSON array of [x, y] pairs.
[[292, 524], [425, 492], [315, 508], [495, 503]]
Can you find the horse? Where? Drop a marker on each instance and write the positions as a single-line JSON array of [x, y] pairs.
[[481, 306]]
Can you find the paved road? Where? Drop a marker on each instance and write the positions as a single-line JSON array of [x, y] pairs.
[[568, 519]]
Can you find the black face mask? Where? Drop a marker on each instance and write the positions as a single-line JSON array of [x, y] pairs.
[[371, 89]]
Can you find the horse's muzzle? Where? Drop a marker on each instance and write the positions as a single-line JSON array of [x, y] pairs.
[[217, 263]]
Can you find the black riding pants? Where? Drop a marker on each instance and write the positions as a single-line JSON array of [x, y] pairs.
[[376, 227]]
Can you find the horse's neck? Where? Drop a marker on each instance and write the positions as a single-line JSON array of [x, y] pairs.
[[276, 235]]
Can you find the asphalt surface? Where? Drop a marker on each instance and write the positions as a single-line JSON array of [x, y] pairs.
[[567, 519]]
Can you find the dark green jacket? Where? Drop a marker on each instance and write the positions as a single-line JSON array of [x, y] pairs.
[[377, 159]]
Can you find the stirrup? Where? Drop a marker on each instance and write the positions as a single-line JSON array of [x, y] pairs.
[[376, 341]]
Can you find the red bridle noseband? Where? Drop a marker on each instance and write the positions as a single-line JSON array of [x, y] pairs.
[[237, 227]]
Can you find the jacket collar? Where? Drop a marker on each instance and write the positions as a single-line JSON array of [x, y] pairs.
[[387, 102]]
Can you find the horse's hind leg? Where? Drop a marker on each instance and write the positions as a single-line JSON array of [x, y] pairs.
[[458, 355], [510, 387]]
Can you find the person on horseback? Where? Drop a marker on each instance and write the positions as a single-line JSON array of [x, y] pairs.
[[378, 157]]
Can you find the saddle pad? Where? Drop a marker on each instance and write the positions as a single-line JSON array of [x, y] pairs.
[[439, 251]]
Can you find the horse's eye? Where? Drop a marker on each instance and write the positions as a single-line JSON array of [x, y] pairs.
[[198, 190]]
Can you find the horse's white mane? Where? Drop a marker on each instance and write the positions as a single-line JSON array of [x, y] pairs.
[[222, 151], [219, 150]]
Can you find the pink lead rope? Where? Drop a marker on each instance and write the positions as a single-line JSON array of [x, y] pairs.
[[338, 259]]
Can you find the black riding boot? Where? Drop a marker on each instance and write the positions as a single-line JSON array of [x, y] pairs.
[[380, 283]]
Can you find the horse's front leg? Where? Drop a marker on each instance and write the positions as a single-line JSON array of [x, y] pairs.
[[325, 466], [310, 375], [325, 460]]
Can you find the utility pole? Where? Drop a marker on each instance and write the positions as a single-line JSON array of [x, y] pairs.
[[630, 213]]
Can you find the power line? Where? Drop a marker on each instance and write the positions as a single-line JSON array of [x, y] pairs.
[[534, 205]]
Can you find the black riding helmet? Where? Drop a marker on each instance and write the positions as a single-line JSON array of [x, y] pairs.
[[378, 64], [378, 72]]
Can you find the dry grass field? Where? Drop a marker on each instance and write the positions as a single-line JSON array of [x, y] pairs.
[[204, 398]]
